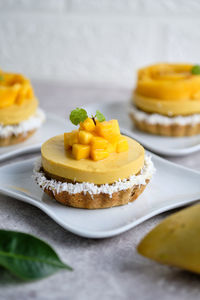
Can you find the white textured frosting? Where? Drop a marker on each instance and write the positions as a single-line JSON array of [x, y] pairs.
[[164, 120], [32, 123], [73, 188]]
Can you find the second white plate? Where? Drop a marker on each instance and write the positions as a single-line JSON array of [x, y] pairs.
[[52, 126], [169, 146]]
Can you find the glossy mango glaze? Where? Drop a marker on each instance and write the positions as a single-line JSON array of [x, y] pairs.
[[168, 89], [17, 100]]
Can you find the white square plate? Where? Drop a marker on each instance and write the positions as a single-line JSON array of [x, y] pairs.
[[52, 126], [170, 146], [172, 186]]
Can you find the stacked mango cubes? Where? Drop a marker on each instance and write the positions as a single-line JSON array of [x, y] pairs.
[[95, 141]]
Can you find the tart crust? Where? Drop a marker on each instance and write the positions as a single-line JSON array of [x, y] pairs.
[[86, 199], [16, 139], [81, 200], [175, 130], [89, 195]]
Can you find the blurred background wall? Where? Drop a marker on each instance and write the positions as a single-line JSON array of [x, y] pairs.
[[100, 42]]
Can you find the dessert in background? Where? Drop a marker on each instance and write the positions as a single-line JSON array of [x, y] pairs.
[[20, 116], [94, 166], [166, 100]]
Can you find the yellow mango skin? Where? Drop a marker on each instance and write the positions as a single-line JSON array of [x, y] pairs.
[[168, 82], [176, 240], [80, 151], [14, 89]]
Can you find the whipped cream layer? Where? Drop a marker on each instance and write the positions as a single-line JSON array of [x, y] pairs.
[[164, 120], [32, 123], [73, 188]]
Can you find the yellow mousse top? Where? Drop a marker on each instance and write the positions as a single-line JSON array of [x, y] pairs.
[[168, 89], [58, 161], [17, 101]]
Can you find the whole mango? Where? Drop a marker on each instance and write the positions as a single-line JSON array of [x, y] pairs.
[[176, 240]]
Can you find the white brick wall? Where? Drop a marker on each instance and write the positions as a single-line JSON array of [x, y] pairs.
[[96, 42]]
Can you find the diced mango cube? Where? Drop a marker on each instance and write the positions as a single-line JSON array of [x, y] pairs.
[[111, 148], [114, 139], [122, 145], [70, 138], [108, 129], [99, 154], [80, 151], [99, 143], [87, 125], [85, 137]]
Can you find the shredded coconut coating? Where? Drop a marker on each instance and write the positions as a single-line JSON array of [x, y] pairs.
[[164, 120], [86, 187], [32, 123]]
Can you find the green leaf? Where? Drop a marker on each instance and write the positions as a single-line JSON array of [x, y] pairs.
[[195, 70], [78, 115], [1, 77], [28, 257], [99, 116]]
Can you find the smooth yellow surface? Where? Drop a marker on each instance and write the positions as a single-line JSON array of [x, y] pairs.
[[175, 241], [166, 107], [168, 82], [15, 89], [168, 89], [57, 161], [15, 114]]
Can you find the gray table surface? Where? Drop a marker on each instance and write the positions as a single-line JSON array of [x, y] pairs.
[[103, 269]]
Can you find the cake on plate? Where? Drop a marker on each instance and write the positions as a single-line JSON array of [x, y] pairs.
[[94, 166], [20, 116], [166, 100]]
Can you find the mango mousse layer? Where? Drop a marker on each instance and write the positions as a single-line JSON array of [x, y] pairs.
[[95, 153], [168, 89], [17, 100]]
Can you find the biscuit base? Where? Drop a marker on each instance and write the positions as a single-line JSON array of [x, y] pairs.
[[16, 139], [81, 200], [174, 130]]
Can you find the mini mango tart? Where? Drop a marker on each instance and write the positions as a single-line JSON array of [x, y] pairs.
[[166, 100], [20, 116], [94, 166]]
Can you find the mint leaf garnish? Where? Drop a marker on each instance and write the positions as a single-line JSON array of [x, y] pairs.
[[78, 115], [196, 70], [99, 116]]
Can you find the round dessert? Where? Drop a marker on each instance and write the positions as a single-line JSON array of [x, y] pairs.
[[20, 116], [166, 100], [93, 167]]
